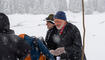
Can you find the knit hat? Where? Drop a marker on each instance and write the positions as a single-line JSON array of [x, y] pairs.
[[60, 15], [50, 18]]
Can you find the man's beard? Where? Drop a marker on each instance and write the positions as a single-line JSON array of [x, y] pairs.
[[60, 27]]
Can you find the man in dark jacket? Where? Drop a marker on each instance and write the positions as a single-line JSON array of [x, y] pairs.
[[11, 46], [68, 38], [52, 30]]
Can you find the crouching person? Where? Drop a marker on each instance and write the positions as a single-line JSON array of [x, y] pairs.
[[12, 47], [37, 47]]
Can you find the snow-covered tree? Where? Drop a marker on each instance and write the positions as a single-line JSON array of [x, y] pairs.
[[75, 5], [19, 7], [101, 5], [36, 6], [95, 4], [89, 7], [62, 5], [6, 6], [50, 6]]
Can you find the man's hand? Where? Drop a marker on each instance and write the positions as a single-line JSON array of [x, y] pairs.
[[61, 50], [52, 51], [58, 51]]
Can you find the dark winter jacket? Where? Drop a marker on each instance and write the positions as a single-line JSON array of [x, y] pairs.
[[11, 46], [70, 39], [51, 44]]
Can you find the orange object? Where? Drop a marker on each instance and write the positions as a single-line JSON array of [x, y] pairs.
[[22, 36], [28, 57], [42, 57]]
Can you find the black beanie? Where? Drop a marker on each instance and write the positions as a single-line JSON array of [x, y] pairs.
[[50, 18]]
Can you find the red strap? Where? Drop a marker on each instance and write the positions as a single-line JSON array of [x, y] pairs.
[[61, 31]]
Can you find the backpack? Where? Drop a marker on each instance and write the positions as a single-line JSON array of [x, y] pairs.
[[28, 57]]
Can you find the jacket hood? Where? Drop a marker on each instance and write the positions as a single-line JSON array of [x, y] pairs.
[[4, 23]]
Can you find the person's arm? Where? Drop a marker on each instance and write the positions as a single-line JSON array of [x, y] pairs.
[[41, 46], [75, 49], [47, 39], [44, 50], [23, 48]]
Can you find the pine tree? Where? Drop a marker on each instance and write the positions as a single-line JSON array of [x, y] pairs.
[[37, 6], [50, 6], [75, 5], [101, 5], [89, 7], [5, 6], [62, 5]]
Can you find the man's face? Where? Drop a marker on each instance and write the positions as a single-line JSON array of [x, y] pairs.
[[49, 25], [59, 23]]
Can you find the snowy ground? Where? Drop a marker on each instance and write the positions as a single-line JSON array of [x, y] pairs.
[[34, 25]]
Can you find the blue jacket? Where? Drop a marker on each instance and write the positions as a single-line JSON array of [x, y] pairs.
[[37, 47]]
